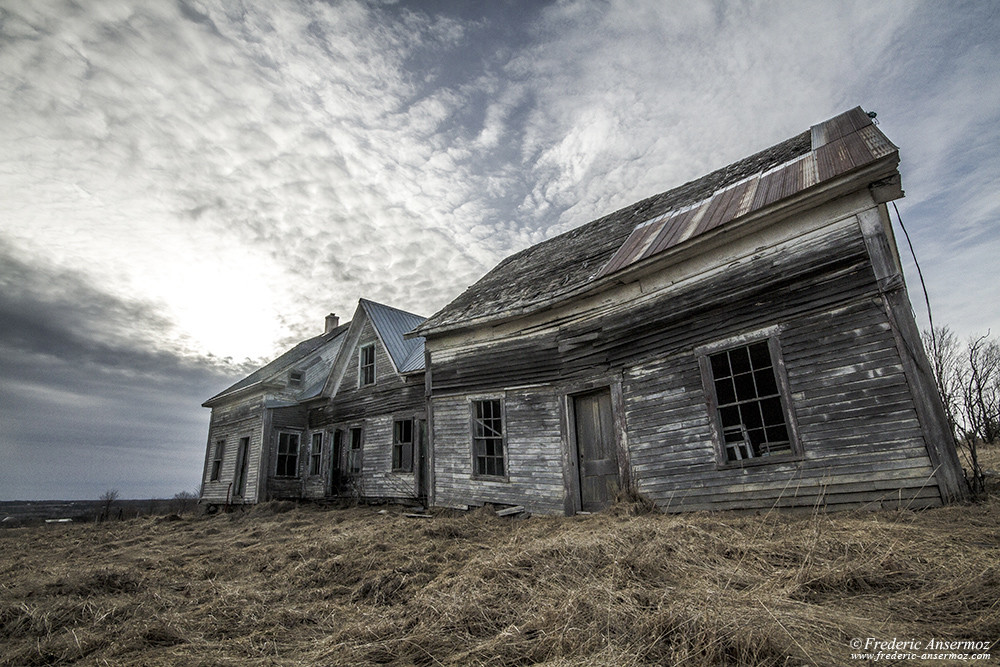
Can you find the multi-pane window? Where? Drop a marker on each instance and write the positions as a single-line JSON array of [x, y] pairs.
[[402, 445], [366, 364], [220, 449], [354, 454], [316, 454], [749, 403], [487, 438], [288, 455]]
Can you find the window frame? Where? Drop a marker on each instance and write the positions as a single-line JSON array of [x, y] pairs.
[[771, 336], [296, 378], [360, 449], [218, 454], [316, 454], [473, 454], [279, 455], [363, 367], [398, 464]]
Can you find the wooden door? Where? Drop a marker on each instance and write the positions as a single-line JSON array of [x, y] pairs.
[[596, 450], [242, 457]]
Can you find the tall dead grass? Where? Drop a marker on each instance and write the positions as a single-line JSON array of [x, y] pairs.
[[286, 585]]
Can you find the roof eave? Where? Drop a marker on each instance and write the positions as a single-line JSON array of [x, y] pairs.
[[240, 393], [821, 193]]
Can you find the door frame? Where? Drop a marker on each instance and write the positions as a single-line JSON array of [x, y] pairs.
[[571, 453]]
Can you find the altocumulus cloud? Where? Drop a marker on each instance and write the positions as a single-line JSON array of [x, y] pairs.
[[190, 186]]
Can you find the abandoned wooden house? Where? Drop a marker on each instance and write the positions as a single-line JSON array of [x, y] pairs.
[[743, 341], [338, 414]]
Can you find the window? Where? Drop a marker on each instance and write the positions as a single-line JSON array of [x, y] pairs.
[[316, 454], [487, 438], [288, 455], [402, 445], [220, 449], [366, 364], [295, 378], [354, 455], [751, 420]]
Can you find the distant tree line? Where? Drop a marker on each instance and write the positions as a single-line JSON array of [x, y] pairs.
[[968, 378]]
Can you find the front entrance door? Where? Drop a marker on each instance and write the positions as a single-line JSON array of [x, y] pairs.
[[596, 450]]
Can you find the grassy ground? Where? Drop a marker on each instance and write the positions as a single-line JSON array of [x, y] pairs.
[[282, 585]]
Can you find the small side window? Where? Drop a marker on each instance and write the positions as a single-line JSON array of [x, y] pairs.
[[402, 445], [355, 451], [366, 364], [220, 450], [316, 454], [295, 378]]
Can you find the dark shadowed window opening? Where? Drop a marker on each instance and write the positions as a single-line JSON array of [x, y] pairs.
[[220, 449], [487, 438], [366, 364], [316, 454], [354, 455], [288, 455], [402, 445], [751, 415]]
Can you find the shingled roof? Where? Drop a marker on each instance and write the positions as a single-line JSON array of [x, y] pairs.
[[563, 264], [269, 371]]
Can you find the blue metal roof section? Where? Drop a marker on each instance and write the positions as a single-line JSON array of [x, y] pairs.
[[391, 323]]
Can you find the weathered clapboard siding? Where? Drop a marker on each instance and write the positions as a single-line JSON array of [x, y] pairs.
[[231, 423], [859, 433], [534, 454], [373, 407], [853, 445], [826, 268]]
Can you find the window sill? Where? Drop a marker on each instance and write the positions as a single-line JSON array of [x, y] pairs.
[[759, 461], [491, 478]]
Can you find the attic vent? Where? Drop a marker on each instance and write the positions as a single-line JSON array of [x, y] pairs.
[[295, 378]]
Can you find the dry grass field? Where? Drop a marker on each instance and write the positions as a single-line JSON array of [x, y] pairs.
[[286, 585]]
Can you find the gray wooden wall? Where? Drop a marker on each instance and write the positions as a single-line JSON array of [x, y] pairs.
[[860, 435]]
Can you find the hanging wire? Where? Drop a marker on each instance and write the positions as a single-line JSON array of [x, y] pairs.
[[923, 285]]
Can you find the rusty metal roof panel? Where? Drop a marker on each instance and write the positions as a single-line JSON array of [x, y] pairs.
[[635, 245], [840, 144], [677, 226], [558, 267]]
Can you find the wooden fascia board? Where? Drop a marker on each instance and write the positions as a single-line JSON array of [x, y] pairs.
[[241, 393], [812, 197]]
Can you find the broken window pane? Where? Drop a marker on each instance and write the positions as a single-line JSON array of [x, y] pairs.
[[487, 438], [749, 402]]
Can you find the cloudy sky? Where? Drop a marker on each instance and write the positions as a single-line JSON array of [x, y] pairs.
[[187, 187]]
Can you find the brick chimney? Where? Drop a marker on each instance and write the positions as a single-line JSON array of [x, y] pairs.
[[332, 322]]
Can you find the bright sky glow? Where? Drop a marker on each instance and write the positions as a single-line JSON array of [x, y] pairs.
[[189, 185]]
